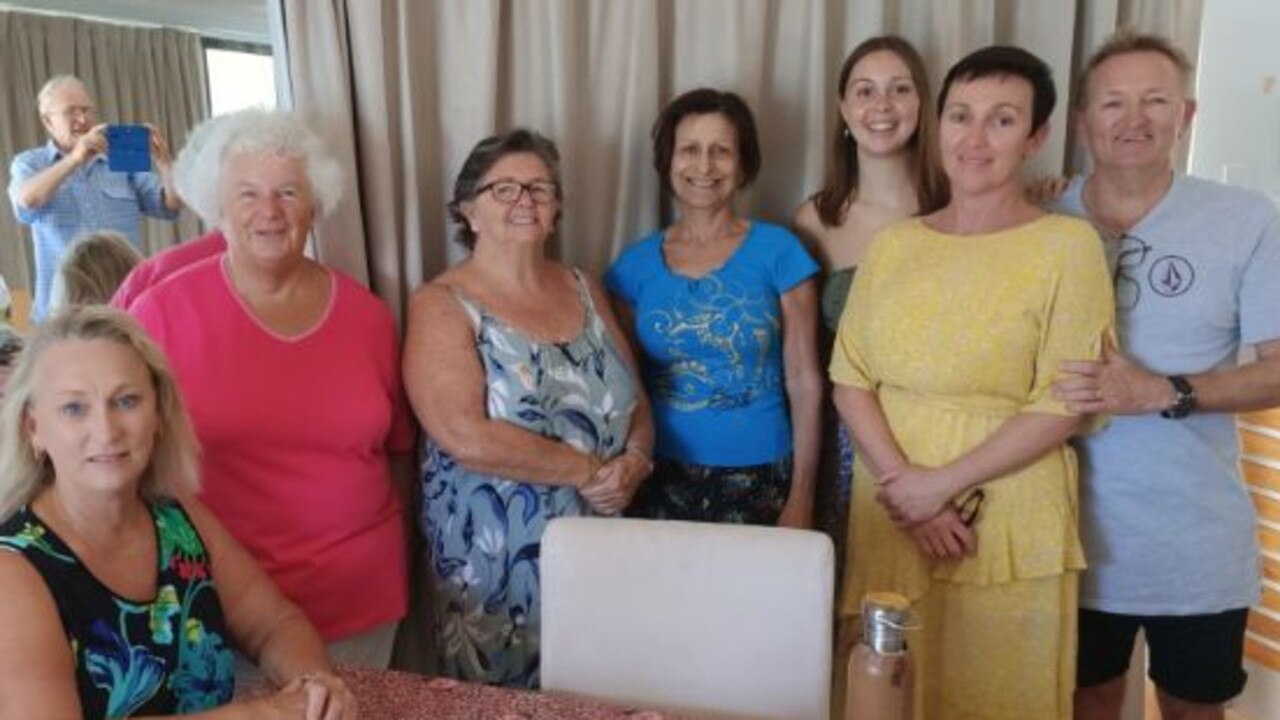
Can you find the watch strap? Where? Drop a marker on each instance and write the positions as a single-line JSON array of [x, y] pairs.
[[1184, 398]]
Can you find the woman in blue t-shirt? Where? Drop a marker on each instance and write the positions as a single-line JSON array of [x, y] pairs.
[[725, 312]]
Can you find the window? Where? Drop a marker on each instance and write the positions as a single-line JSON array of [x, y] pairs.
[[241, 75]]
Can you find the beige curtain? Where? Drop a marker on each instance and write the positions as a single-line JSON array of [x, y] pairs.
[[402, 89], [135, 74]]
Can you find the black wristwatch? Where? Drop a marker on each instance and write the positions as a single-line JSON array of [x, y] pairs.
[[1184, 398]]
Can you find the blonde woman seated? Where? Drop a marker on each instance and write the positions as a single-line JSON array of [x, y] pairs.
[[92, 268], [123, 595]]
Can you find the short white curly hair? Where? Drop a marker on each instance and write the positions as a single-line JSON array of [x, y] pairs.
[[198, 169]]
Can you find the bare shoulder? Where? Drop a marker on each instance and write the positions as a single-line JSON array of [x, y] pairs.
[[436, 301], [593, 283], [809, 228], [213, 534], [28, 613], [436, 325], [37, 670], [806, 223], [204, 521], [18, 575], [806, 216], [600, 297], [430, 292]]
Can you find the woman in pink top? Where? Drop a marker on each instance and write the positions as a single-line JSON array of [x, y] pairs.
[[291, 373]]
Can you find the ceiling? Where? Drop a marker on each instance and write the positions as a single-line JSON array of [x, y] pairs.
[[241, 20]]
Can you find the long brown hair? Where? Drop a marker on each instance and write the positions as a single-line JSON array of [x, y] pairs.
[[841, 183]]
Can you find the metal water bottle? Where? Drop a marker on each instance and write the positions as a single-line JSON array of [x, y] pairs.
[[880, 675]]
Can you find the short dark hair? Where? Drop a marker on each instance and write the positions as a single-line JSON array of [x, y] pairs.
[[1007, 60], [706, 101], [1126, 42], [483, 157]]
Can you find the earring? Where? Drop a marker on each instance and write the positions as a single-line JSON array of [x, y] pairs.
[[38, 453], [848, 134]]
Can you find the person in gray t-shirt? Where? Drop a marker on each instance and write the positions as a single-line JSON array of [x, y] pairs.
[[1166, 519]]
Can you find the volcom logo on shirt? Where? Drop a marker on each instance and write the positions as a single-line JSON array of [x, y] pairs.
[[1171, 275]]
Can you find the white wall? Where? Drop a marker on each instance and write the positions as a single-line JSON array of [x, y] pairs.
[[1236, 136], [1236, 139]]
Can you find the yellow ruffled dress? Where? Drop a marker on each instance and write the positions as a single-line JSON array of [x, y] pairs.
[[956, 335]]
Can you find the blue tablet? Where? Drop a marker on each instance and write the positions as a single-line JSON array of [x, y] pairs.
[[129, 148]]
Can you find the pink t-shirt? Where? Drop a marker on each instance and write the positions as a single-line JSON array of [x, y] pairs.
[[151, 271], [295, 435]]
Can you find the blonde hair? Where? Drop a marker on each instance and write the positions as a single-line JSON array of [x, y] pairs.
[[174, 466], [1126, 42], [93, 268]]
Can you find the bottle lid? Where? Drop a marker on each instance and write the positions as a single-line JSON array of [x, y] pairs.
[[886, 617]]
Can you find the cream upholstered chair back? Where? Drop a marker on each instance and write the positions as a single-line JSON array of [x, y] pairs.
[[728, 620]]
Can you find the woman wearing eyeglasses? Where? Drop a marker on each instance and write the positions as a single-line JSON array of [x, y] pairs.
[[725, 309], [520, 376], [965, 488]]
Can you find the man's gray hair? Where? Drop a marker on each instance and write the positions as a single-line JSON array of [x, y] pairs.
[[51, 86], [198, 169]]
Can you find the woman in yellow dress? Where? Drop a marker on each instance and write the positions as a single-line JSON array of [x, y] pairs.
[[965, 487]]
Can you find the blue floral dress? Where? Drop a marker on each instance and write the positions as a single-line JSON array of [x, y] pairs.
[[163, 657], [483, 532]]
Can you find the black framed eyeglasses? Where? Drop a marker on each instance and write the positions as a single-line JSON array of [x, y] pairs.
[[969, 507], [508, 192], [1131, 255]]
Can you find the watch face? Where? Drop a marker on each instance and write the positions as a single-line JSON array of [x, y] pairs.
[[1184, 398]]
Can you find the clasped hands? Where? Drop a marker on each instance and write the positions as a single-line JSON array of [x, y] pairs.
[[610, 488], [313, 696], [918, 500]]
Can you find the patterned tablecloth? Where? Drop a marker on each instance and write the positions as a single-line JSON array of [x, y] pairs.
[[390, 695]]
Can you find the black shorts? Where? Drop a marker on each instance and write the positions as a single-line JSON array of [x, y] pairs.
[[1196, 658]]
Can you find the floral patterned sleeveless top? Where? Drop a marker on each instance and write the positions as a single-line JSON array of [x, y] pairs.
[[162, 657]]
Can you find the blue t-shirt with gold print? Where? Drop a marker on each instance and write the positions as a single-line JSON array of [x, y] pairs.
[[713, 346]]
